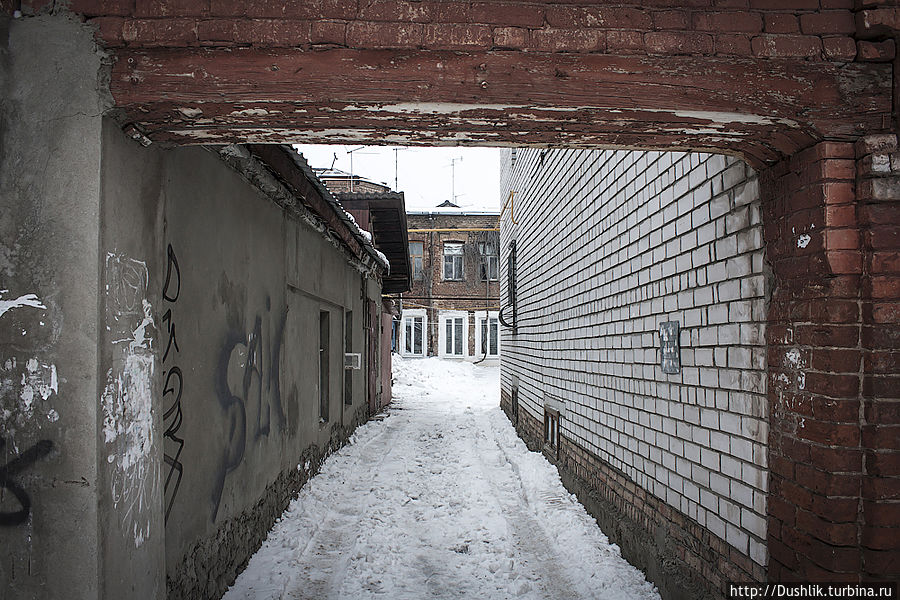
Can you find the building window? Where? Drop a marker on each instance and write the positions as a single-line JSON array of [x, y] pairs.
[[515, 406], [454, 338], [416, 255], [487, 334], [490, 260], [324, 334], [453, 261], [412, 333], [348, 348]]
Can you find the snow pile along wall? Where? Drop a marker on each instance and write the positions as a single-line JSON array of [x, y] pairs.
[[616, 254]]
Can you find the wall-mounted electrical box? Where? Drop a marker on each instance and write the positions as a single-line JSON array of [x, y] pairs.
[[670, 347]]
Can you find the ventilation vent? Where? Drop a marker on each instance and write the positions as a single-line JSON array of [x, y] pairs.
[[352, 360]]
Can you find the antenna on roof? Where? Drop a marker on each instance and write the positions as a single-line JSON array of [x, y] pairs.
[[453, 162], [396, 169], [333, 160], [350, 152]]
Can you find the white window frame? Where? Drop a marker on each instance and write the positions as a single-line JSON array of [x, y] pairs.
[[480, 317], [460, 261], [489, 267], [443, 318], [413, 314]]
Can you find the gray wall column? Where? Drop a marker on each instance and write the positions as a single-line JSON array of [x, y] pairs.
[[52, 265]]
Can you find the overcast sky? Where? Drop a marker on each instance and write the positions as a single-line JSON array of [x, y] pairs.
[[425, 175]]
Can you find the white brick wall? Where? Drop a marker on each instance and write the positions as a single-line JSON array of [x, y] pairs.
[[609, 245]]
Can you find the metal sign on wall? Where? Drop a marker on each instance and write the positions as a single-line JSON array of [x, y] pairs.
[[670, 347]]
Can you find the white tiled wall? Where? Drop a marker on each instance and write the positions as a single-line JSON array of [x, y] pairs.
[[609, 245]]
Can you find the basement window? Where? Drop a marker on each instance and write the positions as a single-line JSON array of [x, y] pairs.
[[453, 261], [515, 406], [551, 431]]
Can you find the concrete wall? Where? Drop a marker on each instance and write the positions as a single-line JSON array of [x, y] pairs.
[[611, 244], [130, 446], [50, 156], [237, 286], [159, 343]]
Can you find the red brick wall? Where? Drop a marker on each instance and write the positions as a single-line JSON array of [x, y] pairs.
[[758, 28], [831, 216], [657, 74], [360, 186], [878, 195]]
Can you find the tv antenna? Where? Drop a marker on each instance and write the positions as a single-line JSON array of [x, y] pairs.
[[396, 170], [453, 162], [350, 152]]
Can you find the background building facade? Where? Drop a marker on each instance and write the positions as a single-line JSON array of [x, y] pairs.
[[452, 307]]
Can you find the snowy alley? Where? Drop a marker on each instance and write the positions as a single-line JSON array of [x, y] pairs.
[[440, 499]]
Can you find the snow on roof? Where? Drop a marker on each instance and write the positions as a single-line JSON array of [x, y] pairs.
[[363, 236], [325, 173]]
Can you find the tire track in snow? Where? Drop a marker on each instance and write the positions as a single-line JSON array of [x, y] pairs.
[[533, 548]]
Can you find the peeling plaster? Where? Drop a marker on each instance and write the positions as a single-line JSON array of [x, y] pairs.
[[436, 108], [729, 117], [26, 300], [250, 112], [140, 339], [126, 403], [191, 113], [27, 392], [792, 358]]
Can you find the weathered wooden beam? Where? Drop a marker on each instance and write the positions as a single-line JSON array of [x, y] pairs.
[[764, 108]]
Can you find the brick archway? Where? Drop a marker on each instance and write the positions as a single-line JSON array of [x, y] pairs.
[[803, 93], [761, 82]]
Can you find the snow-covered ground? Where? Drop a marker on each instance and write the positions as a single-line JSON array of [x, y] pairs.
[[440, 499]]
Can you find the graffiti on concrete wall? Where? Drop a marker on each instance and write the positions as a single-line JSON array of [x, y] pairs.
[[8, 484], [248, 383], [127, 399], [173, 386]]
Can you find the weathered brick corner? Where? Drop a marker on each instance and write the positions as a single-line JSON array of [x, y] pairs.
[[831, 228]]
